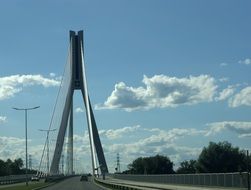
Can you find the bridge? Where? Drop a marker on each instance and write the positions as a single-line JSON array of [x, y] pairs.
[[74, 79]]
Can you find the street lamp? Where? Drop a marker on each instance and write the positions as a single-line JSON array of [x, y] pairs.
[[26, 152], [47, 144]]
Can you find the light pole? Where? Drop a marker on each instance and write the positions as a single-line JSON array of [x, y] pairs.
[[47, 144], [26, 152]]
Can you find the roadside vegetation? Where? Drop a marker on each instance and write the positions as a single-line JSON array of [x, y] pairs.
[[31, 186], [15, 167], [219, 157]]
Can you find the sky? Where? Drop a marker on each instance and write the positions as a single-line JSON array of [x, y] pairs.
[[164, 77]]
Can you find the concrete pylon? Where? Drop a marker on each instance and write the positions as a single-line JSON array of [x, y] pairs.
[[78, 82], [70, 143]]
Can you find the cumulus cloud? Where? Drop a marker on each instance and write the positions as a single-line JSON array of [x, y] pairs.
[[148, 144], [169, 136], [52, 75], [225, 93], [243, 129], [79, 110], [161, 91], [143, 142], [243, 98], [11, 85], [132, 142], [157, 141], [11, 147], [245, 61], [78, 139], [14, 147], [118, 133], [3, 119]]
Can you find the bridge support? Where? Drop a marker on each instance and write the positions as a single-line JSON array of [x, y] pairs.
[[78, 82], [70, 144]]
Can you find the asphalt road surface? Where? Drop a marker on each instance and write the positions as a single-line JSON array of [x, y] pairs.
[[74, 183]]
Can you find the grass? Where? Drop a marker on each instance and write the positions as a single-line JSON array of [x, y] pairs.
[[29, 187]]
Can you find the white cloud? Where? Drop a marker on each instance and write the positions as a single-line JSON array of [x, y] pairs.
[[223, 64], [243, 129], [170, 136], [162, 91], [79, 110], [3, 119], [225, 93], [118, 133], [11, 141], [241, 98], [245, 61], [156, 141], [224, 79], [11, 147], [132, 142], [11, 85], [52, 75]]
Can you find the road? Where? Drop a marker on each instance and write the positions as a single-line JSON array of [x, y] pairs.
[[74, 183]]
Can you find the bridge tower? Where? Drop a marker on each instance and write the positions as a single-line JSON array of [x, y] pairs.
[[77, 82]]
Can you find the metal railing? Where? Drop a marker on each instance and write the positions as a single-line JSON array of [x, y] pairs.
[[13, 179], [238, 180]]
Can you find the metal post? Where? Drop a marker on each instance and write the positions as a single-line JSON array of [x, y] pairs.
[[248, 171], [26, 149], [48, 158]]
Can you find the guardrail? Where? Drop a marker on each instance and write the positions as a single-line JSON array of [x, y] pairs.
[[14, 179], [113, 185], [237, 180]]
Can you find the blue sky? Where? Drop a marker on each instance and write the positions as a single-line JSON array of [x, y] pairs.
[[164, 76]]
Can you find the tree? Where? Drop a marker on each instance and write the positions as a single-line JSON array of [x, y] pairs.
[[187, 167], [221, 157], [151, 165], [3, 171], [9, 167], [16, 166]]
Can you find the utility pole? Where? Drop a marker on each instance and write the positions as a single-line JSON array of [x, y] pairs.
[[30, 162], [248, 171], [62, 162], [26, 149], [118, 163], [47, 146]]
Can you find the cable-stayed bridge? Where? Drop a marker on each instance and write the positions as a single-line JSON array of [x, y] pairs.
[[61, 159], [74, 79]]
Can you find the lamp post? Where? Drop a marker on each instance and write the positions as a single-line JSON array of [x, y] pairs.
[[26, 152], [47, 144]]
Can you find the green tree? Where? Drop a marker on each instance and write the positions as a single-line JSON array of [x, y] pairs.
[[3, 170], [187, 167], [9, 167], [151, 165], [16, 166], [221, 157]]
